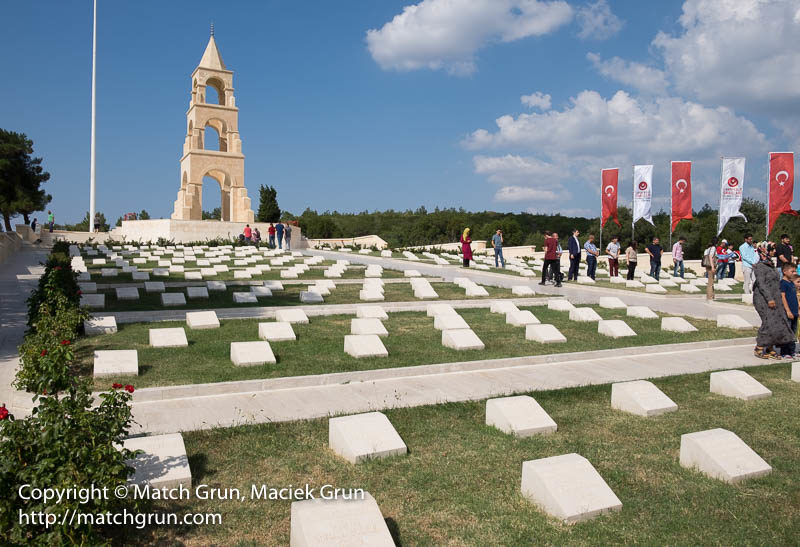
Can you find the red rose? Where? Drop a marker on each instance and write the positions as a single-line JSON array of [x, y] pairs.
[[3, 412], [65, 342], [44, 352], [129, 388], [58, 267], [80, 293], [117, 386]]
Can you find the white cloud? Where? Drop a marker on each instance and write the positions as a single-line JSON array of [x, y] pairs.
[[597, 21], [445, 34], [636, 75], [525, 193], [740, 53], [537, 100]]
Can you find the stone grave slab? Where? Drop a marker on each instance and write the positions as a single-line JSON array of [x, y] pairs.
[[733, 321], [154, 286], [721, 454], [368, 326], [640, 397], [584, 315], [198, 320], [614, 328], [568, 487], [522, 290], [612, 303], [291, 316], [641, 312], [689, 288], [362, 346], [544, 334], [244, 298], [160, 272], [449, 322], [173, 299], [616, 280], [585, 280], [476, 290], [193, 276], [100, 325], [503, 306], [560, 304], [118, 362], [440, 309], [127, 293], [168, 338], [667, 283], [520, 416], [311, 297], [655, 288], [676, 324], [796, 372], [364, 437], [277, 331], [109, 272], [87, 287], [93, 301], [197, 292], [634, 284], [461, 339], [371, 312], [371, 295], [738, 384], [241, 274], [140, 276], [275, 285], [250, 354], [216, 286], [163, 463], [521, 318], [261, 292]]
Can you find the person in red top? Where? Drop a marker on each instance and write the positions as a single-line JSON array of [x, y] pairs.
[[550, 257], [466, 247], [271, 233], [248, 233]]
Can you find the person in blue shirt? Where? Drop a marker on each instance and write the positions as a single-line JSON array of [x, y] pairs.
[[789, 298], [591, 256], [749, 259], [279, 232], [497, 242]]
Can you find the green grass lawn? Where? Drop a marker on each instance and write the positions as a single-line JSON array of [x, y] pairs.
[[290, 296], [319, 347], [460, 482]]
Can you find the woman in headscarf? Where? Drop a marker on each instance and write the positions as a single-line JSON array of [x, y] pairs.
[[466, 248], [775, 329]]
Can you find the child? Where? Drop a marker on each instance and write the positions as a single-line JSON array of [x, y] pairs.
[[789, 298]]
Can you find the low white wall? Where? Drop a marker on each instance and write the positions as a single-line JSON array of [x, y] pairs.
[[477, 246], [185, 231], [360, 241]]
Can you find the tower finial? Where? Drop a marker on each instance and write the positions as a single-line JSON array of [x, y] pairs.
[[212, 29]]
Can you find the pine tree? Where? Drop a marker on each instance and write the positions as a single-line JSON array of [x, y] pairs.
[[268, 210]]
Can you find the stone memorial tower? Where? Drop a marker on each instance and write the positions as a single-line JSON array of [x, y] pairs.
[[225, 165]]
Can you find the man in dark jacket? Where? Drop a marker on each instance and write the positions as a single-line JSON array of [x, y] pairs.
[[574, 248]]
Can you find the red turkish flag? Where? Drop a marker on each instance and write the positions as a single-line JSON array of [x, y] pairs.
[[610, 179], [681, 192], [781, 185]]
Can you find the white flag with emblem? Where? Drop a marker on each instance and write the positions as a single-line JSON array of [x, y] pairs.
[[642, 193], [731, 190]]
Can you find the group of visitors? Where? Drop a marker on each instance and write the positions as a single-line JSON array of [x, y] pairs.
[[282, 231]]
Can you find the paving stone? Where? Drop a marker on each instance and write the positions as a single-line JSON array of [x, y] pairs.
[[154, 286], [449, 322], [567, 487], [640, 397], [197, 320], [244, 298], [559, 304], [641, 312], [521, 318], [250, 354], [614, 328], [503, 306], [168, 338], [733, 321], [545, 334], [676, 324], [721, 454], [738, 384], [585, 315], [119, 362], [364, 437], [520, 416], [93, 301], [127, 293], [364, 345], [276, 331], [371, 312], [163, 463], [612, 303], [100, 325], [311, 297], [461, 339], [173, 299], [291, 316], [216, 286], [522, 290]]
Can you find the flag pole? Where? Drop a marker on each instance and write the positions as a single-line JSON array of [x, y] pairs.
[[633, 207], [766, 225], [671, 189], [602, 190], [92, 154]]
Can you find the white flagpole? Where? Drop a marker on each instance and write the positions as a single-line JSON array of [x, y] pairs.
[[766, 224], [94, 86], [671, 189], [719, 209]]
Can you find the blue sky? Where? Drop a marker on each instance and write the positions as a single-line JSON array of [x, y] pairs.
[[335, 120]]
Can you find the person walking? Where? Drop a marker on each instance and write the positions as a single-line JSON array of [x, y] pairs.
[[271, 234], [612, 249], [722, 258], [287, 235], [632, 257], [550, 255], [574, 249], [789, 301], [591, 256], [51, 220], [677, 257], [775, 329], [497, 243], [709, 262], [248, 233], [749, 259], [466, 247], [279, 233], [655, 251], [33, 225], [555, 271]]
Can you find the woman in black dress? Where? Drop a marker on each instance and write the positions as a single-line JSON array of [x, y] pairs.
[[775, 329]]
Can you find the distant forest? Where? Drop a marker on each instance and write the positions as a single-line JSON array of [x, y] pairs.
[[423, 227]]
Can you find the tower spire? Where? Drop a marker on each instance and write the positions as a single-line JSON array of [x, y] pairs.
[[212, 28]]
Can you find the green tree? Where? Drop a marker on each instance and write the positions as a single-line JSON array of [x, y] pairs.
[[100, 223], [21, 176], [144, 215], [268, 210], [216, 214]]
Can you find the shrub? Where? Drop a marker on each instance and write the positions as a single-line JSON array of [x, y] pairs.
[[65, 443]]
